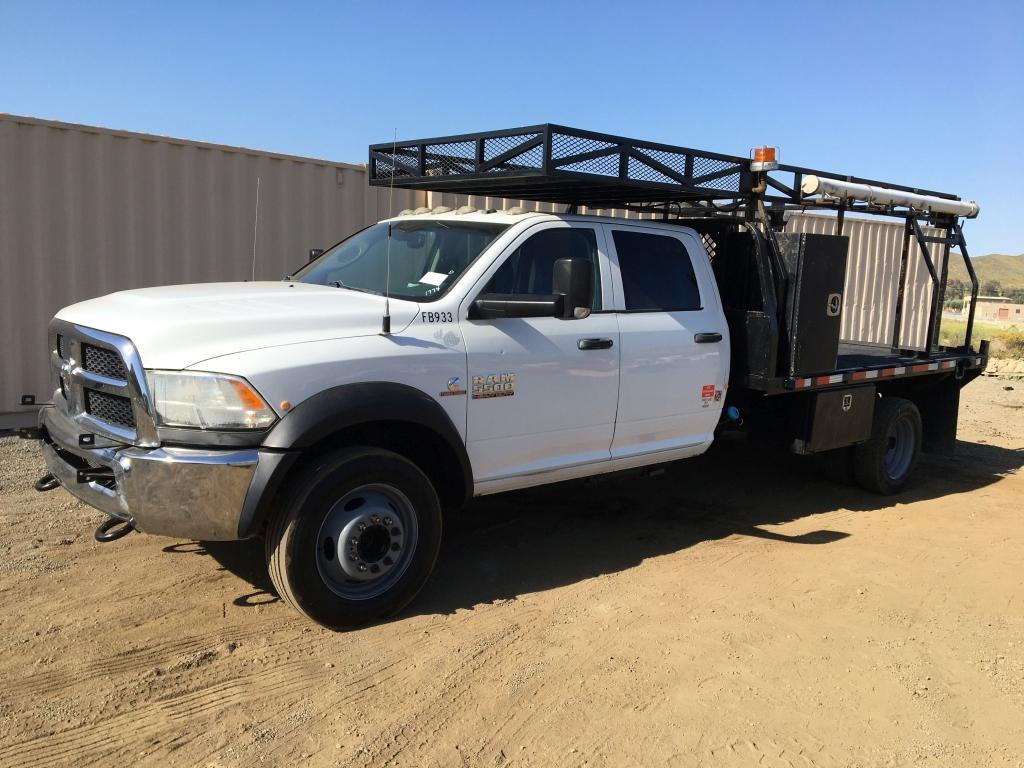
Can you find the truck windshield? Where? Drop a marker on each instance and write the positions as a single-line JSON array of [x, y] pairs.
[[427, 257]]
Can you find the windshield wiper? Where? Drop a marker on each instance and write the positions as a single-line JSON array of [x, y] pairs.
[[340, 284]]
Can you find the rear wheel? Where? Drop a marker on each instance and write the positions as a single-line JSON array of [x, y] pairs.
[[356, 537], [884, 463]]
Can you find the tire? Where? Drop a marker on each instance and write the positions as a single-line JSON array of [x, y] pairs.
[[355, 538], [885, 462]]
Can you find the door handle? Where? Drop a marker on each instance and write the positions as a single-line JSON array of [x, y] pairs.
[[707, 338], [594, 344]]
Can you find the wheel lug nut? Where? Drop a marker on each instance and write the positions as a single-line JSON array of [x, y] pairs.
[[387, 521], [362, 527], [362, 567]]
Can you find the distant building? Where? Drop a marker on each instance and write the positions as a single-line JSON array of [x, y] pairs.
[[999, 308]]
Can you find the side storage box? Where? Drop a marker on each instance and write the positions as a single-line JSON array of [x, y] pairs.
[[816, 277], [835, 419]]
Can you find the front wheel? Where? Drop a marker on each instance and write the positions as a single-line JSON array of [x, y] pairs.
[[883, 464], [356, 537]]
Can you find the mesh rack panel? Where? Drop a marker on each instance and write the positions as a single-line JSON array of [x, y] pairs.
[[552, 163]]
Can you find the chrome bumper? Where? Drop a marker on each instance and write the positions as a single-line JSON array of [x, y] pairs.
[[180, 492]]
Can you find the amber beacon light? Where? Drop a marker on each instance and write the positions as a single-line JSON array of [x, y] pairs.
[[763, 159]]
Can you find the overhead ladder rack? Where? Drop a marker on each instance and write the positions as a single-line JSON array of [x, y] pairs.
[[556, 164]]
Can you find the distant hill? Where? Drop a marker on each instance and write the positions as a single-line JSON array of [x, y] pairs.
[[1008, 271]]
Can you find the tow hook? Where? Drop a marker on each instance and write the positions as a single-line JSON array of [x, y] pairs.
[[46, 483], [113, 529]]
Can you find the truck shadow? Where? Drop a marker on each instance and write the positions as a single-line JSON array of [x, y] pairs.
[[503, 546]]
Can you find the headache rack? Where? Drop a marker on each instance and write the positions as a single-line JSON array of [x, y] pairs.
[[556, 164]]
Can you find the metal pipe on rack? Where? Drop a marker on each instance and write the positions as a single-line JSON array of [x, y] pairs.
[[848, 190]]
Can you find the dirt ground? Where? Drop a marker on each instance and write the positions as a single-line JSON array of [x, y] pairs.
[[738, 610]]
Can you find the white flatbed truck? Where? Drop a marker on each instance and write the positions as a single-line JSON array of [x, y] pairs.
[[441, 355]]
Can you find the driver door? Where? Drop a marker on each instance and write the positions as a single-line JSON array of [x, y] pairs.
[[542, 390]]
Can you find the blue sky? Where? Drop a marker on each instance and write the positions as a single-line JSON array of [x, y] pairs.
[[928, 94]]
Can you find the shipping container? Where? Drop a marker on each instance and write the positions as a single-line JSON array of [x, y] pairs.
[[86, 211]]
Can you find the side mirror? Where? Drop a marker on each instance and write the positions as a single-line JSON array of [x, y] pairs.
[[573, 278], [315, 253]]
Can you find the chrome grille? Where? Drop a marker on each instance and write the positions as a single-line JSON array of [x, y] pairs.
[[105, 362], [99, 381], [110, 408]]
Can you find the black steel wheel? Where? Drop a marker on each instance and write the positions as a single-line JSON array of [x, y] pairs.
[[885, 462], [355, 537]]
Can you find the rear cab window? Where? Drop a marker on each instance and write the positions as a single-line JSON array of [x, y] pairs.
[[657, 273]]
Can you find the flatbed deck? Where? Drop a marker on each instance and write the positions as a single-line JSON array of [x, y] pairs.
[[858, 363], [860, 355]]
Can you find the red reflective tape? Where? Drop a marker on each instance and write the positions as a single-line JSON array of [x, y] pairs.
[[919, 368], [888, 371], [821, 380], [860, 375]]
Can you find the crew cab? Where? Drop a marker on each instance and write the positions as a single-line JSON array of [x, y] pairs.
[[444, 354]]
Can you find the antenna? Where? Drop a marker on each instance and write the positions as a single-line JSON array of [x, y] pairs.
[[255, 227], [385, 325]]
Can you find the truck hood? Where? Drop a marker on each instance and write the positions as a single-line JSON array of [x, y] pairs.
[[182, 325]]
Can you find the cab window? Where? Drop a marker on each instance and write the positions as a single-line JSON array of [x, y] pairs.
[[528, 269], [657, 274]]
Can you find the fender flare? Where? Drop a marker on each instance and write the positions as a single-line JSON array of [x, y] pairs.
[[336, 409]]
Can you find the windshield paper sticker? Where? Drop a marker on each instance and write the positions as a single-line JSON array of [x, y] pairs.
[[434, 278]]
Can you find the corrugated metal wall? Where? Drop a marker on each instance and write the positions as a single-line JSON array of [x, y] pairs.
[[87, 211], [872, 278]]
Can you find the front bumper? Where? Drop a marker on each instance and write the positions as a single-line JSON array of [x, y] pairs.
[[180, 492]]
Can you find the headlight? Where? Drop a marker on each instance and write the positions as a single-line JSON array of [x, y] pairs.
[[207, 401]]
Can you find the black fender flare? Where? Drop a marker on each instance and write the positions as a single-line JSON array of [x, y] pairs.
[[334, 410]]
